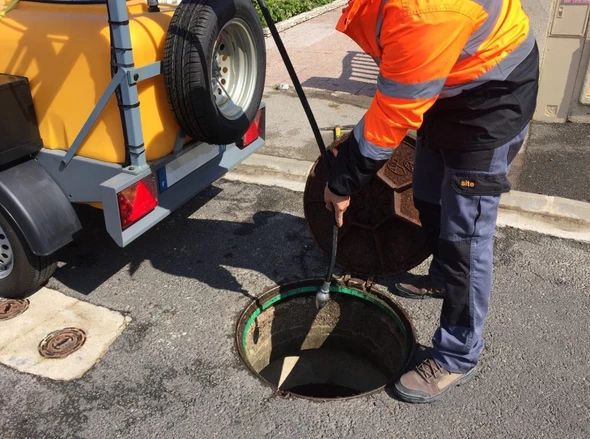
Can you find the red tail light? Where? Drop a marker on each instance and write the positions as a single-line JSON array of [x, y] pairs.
[[255, 130], [137, 201]]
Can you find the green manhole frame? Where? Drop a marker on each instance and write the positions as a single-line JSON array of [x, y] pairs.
[[290, 290]]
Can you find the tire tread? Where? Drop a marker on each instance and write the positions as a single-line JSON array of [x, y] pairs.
[[192, 30], [30, 271]]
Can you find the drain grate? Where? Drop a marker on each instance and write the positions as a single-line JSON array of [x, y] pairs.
[[10, 308], [328, 354], [61, 343]]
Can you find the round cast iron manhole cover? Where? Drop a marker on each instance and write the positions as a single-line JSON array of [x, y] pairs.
[[380, 236], [61, 343], [325, 354], [10, 308]]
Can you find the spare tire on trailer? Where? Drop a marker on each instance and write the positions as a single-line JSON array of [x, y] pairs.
[[214, 67]]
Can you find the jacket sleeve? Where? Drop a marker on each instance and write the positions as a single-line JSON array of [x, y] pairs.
[[418, 52]]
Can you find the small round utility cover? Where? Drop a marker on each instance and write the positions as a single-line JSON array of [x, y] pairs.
[[10, 308], [375, 240], [61, 343]]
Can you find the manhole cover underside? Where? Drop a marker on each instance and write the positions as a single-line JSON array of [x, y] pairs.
[[327, 354], [379, 236]]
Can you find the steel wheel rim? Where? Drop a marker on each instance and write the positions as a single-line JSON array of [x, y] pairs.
[[234, 70], [6, 255]]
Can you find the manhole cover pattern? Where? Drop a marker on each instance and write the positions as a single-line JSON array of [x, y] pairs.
[[61, 343], [10, 308], [398, 171], [379, 236]]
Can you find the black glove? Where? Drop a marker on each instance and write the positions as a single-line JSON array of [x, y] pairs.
[[350, 170]]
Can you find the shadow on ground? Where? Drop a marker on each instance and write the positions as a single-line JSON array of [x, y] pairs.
[[216, 252], [275, 244], [358, 77]]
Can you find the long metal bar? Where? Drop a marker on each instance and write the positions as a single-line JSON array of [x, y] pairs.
[[123, 60], [132, 76], [144, 72]]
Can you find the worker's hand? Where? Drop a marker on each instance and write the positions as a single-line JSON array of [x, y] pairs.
[[337, 204]]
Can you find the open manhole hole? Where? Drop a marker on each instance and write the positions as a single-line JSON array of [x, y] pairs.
[[358, 343]]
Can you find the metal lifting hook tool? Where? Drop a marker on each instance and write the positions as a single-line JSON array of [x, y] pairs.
[[323, 295]]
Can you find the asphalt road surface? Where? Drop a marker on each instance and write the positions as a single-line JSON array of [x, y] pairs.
[[174, 372], [556, 161]]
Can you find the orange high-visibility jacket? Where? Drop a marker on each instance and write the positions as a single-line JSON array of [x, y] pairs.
[[430, 49]]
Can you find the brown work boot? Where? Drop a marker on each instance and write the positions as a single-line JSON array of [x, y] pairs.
[[428, 381], [419, 288]]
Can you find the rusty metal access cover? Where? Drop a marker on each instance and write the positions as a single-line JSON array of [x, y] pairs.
[[381, 234], [10, 308], [61, 343], [398, 171]]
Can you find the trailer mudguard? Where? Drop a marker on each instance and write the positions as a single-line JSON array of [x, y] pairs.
[[38, 207]]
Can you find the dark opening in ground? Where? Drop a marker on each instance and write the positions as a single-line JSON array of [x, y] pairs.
[[358, 343]]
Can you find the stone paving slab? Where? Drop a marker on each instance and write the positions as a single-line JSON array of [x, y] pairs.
[[49, 311]]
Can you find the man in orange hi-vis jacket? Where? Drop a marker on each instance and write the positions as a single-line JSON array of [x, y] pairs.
[[465, 74]]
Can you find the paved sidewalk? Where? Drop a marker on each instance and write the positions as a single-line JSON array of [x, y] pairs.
[[338, 77], [340, 82], [324, 58]]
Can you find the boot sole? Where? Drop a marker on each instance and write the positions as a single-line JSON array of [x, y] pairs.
[[425, 399], [401, 292]]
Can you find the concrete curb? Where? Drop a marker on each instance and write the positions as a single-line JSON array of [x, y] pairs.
[[305, 16], [276, 171], [554, 216]]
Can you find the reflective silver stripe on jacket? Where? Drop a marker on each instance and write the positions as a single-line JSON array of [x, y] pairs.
[[402, 90], [493, 9], [498, 73], [368, 149]]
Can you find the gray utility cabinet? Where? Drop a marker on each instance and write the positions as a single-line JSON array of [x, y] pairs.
[[564, 92]]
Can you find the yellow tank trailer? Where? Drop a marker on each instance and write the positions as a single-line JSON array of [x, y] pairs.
[[64, 50], [131, 106]]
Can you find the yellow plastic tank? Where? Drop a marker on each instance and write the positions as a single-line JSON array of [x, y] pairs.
[[64, 50]]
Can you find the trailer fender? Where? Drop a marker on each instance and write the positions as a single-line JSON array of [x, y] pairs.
[[38, 207]]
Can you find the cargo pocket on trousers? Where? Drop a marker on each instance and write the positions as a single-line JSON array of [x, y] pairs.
[[480, 184]]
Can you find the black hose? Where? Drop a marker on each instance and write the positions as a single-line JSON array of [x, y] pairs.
[[323, 295], [298, 88], [333, 252]]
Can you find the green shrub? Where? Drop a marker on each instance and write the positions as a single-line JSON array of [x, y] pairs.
[[283, 9]]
